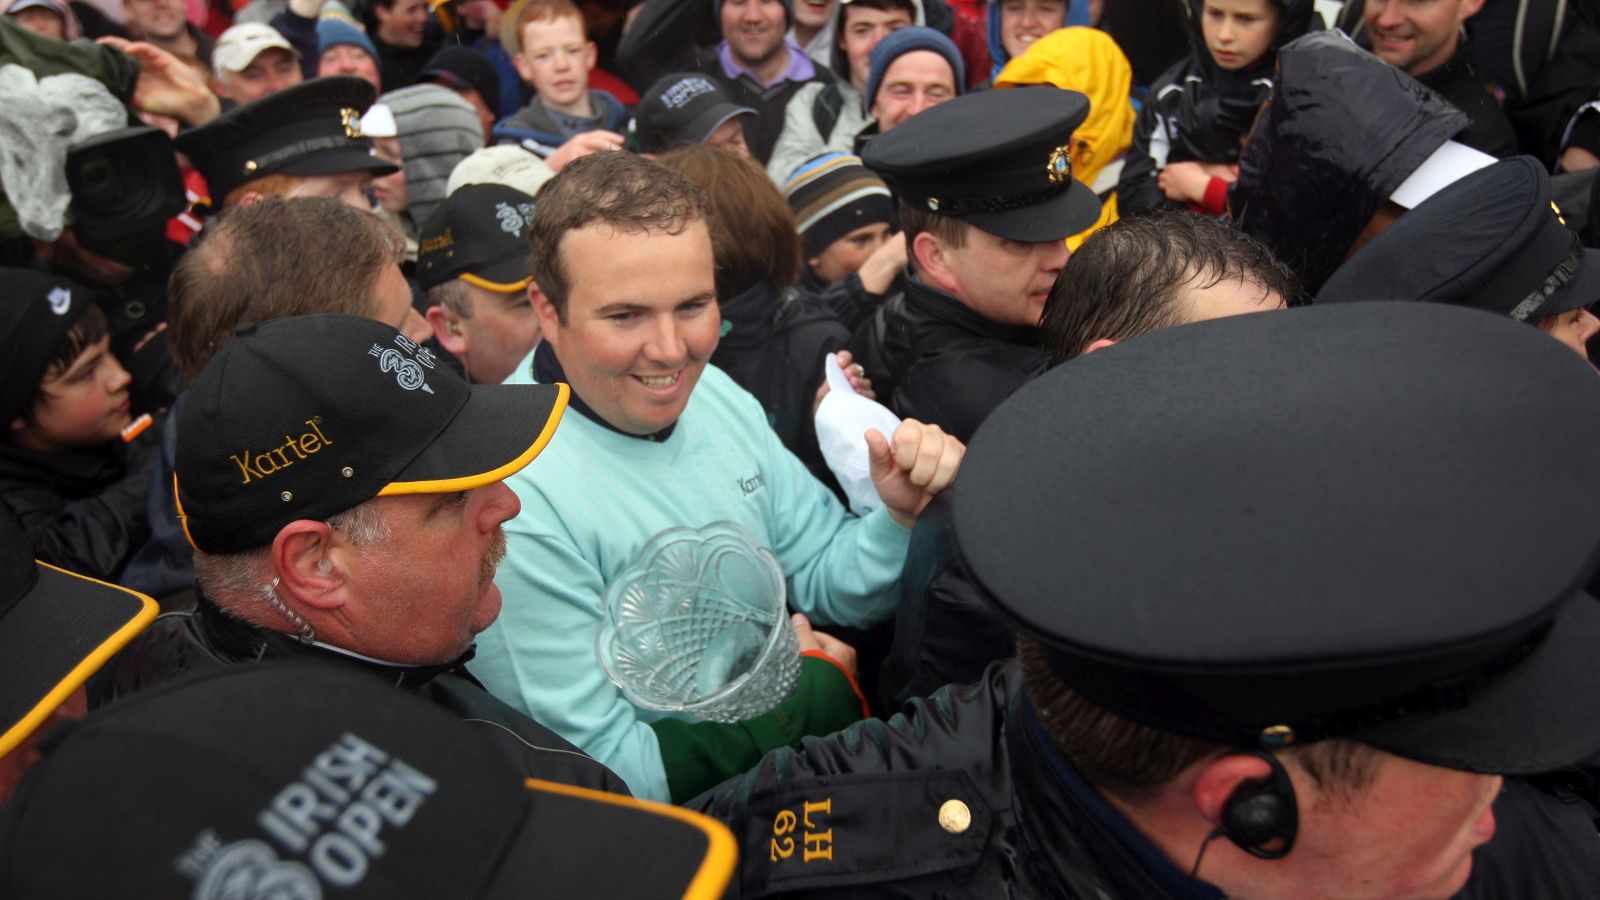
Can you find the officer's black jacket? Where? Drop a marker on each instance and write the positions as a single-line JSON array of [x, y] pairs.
[[939, 362], [178, 643], [866, 805], [858, 814], [1457, 81]]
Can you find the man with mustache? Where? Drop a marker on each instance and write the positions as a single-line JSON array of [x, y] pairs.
[[343, 490]]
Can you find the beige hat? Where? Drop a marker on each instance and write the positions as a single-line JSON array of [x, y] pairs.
[[505, 164], [241, 44]]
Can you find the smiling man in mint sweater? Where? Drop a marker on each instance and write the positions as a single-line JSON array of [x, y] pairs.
[[626, 300]]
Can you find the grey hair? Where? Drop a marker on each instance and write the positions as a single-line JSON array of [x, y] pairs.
[[235, 580]]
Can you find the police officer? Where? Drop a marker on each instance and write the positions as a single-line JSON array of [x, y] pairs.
[[1285, 645], [986, 200], [1493, 240]]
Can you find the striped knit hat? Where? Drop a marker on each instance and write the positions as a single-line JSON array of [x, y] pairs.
[[438, 130], [834, 194]]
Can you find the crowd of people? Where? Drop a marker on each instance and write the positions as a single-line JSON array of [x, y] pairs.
[[1205, 518]]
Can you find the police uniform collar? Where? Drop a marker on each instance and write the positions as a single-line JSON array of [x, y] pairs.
[[948, 310], [1058, 800]]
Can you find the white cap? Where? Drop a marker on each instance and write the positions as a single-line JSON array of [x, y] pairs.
[[378, 122], [1452, 161], [241, 44], [505, 164]]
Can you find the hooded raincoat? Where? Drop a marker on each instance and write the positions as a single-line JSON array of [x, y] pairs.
[[1088, 61], [1198, 111], [1343, 130]]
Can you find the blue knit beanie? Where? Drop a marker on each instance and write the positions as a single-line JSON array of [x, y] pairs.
[[907, 40], [333, 32]]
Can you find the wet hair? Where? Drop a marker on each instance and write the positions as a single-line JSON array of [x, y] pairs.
[[1132, 277], [628, 192], [754, 237], [271, 260], [1132, 761]]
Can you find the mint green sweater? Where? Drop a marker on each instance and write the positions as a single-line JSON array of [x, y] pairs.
[[592, 500]]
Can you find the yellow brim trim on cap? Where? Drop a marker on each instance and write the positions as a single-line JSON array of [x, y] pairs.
[[497, 474], [488, 285], [716, 869], [86, 667]]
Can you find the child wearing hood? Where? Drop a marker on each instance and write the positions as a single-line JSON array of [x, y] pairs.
[[1187, 139]]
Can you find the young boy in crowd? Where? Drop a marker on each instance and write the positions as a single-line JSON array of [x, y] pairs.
[[566, 118], [1187, 139], [71, 472]]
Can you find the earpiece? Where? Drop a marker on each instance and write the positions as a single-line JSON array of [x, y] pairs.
[[455, 328], [324, 566], [1258, 813]]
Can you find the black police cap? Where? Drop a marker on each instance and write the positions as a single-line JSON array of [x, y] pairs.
[[1492, 240], [313, 128], [1366, 520], [411, 803], [998, 159], [478, 234]]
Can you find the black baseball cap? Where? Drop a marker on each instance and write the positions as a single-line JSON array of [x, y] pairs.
[[313, 128], [57, 628], [479, 234], [1370, 521], [1001, 160], [1491, 240], [306, 417], [308, 779], [682, 109], [463, 68], [36, 312]]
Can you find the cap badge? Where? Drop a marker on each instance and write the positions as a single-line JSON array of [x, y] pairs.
[[352, 123], [1059, 167], [407, 373], [514, 219], [933, 203], [60, 300]]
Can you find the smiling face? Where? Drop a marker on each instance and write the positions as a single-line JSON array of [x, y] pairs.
[[1417, 35], [402, 24], [912, 83], [641, 321], [754, 30], [1024, 21], [1239, 32], [160, 20]]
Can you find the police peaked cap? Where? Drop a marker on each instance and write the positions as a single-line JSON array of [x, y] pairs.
[[313, 128], [1492, 240], [1001, 160], [1368, 521]]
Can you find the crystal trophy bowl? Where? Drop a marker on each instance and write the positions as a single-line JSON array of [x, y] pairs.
[[697, 625]]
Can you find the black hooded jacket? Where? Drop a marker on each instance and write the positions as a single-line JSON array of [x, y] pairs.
[[1197, 111], [774, 347], [1343, 130]]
